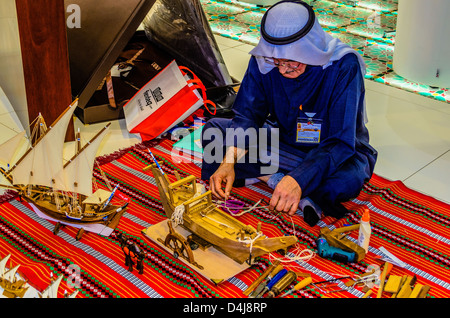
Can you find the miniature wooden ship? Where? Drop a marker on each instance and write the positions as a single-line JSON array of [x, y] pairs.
[[61, 190], [13, 286], [187, 204], [52, 289]]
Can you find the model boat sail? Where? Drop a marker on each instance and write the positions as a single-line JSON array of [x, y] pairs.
[[12, 285], [52, 289], [187, 205], [61, 190]]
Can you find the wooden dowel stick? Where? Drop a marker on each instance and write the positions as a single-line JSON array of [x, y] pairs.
[[386, 269]]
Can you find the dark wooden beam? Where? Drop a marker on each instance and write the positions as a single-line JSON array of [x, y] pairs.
[[43, 40]]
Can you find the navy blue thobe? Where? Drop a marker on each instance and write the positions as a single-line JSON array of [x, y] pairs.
[[329, 171]]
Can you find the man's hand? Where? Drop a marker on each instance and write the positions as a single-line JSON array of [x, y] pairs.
[[224, 174], [286, 196]]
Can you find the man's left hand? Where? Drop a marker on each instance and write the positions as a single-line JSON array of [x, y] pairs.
[[286, 196]]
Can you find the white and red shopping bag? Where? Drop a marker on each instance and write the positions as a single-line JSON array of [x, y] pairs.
[[167, 99]]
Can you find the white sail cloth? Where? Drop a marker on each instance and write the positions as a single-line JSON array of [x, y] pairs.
[[44, 164]]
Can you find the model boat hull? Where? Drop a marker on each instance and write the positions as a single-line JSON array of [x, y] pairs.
[[61, 189], [203, 218], [50, 209], [241, 251]]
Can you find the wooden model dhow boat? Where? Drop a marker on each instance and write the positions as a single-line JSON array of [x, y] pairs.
[[187, 204], [52, 289], [61, 190], [12, 285]]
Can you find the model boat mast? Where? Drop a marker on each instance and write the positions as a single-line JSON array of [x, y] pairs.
[[43, 164], [62, 190], [188, 205]]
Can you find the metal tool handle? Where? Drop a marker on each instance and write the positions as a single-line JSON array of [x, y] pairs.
[[276, 278], [261, 278], [282, 284], [263, 285]]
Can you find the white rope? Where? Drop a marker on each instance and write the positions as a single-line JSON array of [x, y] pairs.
[[177, 215], [299, 255], [251, 240]]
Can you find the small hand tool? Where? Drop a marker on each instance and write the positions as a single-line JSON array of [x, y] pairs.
[[338, 238], [261, 278], [273, 281], [282, 284], [333, 281], [156, 161], [325, 250], [369, 279], [261, 286], [303, 283]]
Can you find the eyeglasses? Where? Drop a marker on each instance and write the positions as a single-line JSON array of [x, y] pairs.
[[293, 65]]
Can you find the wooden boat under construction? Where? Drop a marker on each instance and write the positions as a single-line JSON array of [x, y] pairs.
[[187, 204], [59, 188]]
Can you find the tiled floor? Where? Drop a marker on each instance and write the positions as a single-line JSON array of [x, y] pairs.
[[411, 132], [368, 26]]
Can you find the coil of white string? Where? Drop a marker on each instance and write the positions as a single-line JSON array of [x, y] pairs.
[[298, 254], [177, 215]]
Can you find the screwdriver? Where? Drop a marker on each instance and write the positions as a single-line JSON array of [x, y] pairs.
[[282, 284], [272, 282], [303, 283], [261, 286], [261, 278]]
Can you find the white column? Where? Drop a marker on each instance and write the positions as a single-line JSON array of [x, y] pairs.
[[422, 43]]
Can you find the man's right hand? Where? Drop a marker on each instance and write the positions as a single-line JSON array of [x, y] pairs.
[[286, 196], [224, 174]]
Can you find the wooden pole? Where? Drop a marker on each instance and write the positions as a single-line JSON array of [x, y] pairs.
[[45, 58]]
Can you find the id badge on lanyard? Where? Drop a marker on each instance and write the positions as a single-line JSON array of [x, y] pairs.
[[308, 130]]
